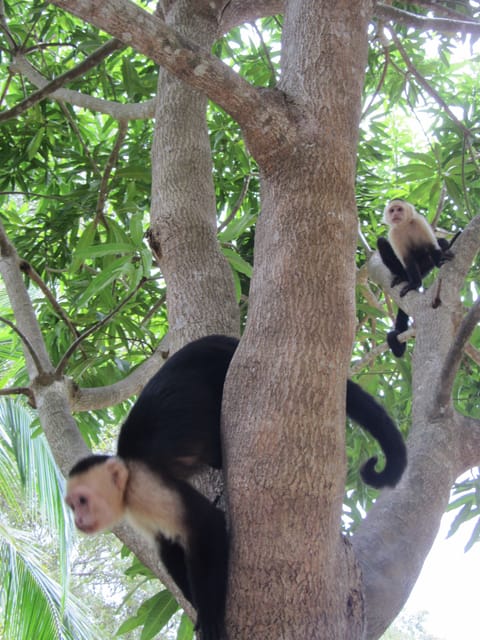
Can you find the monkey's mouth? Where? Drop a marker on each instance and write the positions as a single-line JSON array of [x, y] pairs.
[[87, 528]]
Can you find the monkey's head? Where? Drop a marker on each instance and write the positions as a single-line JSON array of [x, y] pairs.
[[398, 212], [95, 492]]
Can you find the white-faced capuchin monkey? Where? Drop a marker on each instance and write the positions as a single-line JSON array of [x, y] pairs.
[[172, 430], [410, 253]]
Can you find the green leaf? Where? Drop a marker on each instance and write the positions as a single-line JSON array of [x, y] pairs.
[[237, 262], [102, 280], [112, 248], [35, 143], [82, 246], [236, 228], [185, 629], [161, 608]]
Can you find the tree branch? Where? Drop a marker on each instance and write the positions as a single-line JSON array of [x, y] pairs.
[[261, 111], [469, 442], [87, 399], [111, 162], [27, 268], [116, 110], [454, 357], [473, 353], [237, 205], [436, 7], [24, 391], [237, 12], [27, 343], [22, 307], [465, 248], [430, 90], [423, 23], [91, 61]]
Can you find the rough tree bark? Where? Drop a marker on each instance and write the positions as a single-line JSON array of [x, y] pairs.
[[285, 394], [442, 444], [200, 294], [292, 576]]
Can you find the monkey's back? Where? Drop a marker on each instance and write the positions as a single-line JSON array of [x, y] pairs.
[[175, 423]]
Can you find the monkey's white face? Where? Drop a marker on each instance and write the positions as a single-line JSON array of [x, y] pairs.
[[96, 496], [397, 212]]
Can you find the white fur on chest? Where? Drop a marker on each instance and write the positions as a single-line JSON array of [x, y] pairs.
[[154, 507], [410, 235]]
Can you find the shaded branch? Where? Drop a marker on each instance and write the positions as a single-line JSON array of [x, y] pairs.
[[27, 268], [76, 130], [424, 23], [359, 365], [380, 83], [454, 356], [88, 399], [91, 61]]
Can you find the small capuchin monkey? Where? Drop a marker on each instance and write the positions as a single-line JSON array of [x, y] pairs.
[[173, 430], [410, 253]]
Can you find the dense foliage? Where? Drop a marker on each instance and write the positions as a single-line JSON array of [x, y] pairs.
[[75, 194]]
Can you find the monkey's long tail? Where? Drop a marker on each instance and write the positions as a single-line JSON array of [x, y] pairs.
[[362, 408]]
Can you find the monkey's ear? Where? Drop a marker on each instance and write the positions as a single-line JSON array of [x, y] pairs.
[[118, 472]]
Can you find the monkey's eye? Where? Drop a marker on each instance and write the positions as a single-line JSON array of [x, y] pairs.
[[82, 500]]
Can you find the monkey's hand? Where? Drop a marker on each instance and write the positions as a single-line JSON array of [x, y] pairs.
[[445, 257], [397, 280], [408, 287]]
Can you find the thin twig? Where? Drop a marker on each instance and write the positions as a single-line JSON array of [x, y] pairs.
[[237, 204], [71, 349], [24, 391], [441, 9], [27, 268], [110, 165], [27, 344], [380, 83], [89, 62], [454, 356], [266, 53], [78, 133], [423, 23], [423, 83]]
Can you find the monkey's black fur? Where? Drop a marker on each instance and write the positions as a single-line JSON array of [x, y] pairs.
[[174, 428], [419, 265]]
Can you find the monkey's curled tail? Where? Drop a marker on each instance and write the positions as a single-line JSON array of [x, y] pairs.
[[362, 408]]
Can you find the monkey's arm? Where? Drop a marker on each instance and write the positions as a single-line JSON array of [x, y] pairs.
[[391, 261]]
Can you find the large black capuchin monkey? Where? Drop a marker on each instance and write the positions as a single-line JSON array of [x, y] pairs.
[[172, 430], [410, 253]]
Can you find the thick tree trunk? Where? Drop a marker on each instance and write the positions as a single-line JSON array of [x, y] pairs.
[[285, 396], [200, 295]]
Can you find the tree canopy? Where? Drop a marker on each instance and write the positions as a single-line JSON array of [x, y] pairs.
[[87, 175]]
